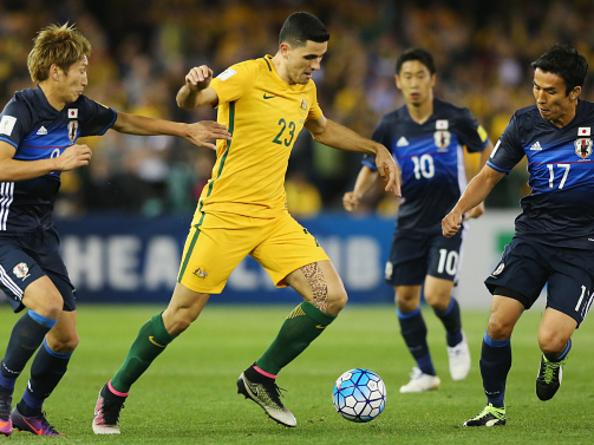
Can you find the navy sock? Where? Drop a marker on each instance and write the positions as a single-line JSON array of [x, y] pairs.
[[452, 322], [47, 370], [414, 332], [557, 357], [26, 336], [496, 360]]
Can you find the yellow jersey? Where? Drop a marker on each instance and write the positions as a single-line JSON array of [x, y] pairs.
[[265, 115]]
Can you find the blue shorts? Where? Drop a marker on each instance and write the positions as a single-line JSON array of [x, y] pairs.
[[25, 258], [526, 266], [414, 256]]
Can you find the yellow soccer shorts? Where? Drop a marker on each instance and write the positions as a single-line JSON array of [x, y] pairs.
[[219, 241]]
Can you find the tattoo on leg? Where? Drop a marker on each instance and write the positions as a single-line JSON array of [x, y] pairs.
[[315, 278]]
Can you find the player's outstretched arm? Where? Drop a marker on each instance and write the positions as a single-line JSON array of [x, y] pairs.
[[200, 134], [476, 192], [14, 170], [338, 136], [365, 179], [195, 91], [479, 209]]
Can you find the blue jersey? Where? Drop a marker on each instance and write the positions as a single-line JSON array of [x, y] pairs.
[[560, 210], [38, 131], [431, 160]]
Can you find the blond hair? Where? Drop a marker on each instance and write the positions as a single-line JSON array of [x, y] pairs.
[[56, 45]]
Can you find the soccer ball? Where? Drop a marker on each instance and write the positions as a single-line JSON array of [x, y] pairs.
[[359, 395]]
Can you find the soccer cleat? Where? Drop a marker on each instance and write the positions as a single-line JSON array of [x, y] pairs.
[[5, 403], [107, 412], [37, 425], [549, 378], [489, 416], [459, 360], [267, 395], [420, 382]]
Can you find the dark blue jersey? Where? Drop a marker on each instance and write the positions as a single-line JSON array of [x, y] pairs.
[[560, 210], [431, 160], [38, 131]]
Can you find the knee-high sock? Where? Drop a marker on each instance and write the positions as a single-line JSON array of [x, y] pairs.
[[26, 336], [47, 370], [302, 326], [452, 322], [414, 332], [495, 363], [150, 342]]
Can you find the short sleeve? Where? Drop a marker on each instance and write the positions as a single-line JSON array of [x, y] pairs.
[[315, 111], [95, 118], [508, 150], [471, 133], [232, 83], [15, 122]]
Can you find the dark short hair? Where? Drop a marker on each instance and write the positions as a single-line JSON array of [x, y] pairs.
[[420, 54], [300, 27], [566, 62]]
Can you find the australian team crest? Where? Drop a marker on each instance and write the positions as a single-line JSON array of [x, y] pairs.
[[583, 147]]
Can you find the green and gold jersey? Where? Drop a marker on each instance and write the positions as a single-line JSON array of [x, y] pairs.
[[265, 115]]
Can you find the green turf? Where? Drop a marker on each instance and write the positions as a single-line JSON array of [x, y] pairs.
[[188, 396]]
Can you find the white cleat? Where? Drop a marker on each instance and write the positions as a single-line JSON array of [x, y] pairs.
[[459, 360], [420, 382]]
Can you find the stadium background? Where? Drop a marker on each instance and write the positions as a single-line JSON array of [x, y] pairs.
[[123, 219]]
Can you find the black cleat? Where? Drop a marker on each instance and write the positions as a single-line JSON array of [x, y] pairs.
[[267, 395], [549, 378], [489, 416], [107, 412]]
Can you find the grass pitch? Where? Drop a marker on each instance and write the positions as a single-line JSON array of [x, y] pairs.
[[189, 396]]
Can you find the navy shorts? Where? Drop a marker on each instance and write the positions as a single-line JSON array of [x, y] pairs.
[[526, 266], [414, 256], [25, 258]]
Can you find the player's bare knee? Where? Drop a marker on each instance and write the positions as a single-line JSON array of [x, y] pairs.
[[437, 301], [49, 307], [178, 321], [405, 302], [499, 328], [335, 302], [551, 342], [63, 344]]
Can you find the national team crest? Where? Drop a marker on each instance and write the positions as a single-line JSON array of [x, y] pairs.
[[583, 147], [303, 104], [442, 139], [72, 131], [201, 273], [21, 271]]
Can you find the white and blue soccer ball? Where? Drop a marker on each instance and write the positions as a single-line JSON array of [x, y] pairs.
[[359, 395]]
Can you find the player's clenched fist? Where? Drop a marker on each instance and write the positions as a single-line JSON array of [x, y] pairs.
[[73, 157], [350, 201], [451, 223], [198, 78]]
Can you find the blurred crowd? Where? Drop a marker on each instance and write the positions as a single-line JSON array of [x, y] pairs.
[[143, 48]]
